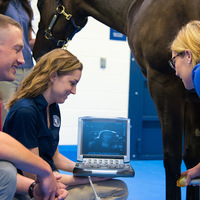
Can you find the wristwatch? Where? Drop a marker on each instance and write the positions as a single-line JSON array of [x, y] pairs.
[[30, 189]]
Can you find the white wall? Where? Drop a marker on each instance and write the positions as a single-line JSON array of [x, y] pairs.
[[101, 92]]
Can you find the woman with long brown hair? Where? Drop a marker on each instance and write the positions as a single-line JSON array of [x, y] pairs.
[[34, 120]]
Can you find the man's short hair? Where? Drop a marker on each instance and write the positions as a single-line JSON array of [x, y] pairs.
[[5, 21]]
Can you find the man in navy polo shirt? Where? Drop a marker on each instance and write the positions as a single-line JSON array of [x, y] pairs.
[[12, 154]]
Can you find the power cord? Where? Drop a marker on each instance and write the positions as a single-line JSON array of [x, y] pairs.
[[96, 196]]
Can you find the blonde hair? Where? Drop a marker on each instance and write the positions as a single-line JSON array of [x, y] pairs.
[[188, 38], [5, 24], [5, 21], [58, 60]]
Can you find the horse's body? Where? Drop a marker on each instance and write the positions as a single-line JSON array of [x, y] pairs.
[[149, 26]]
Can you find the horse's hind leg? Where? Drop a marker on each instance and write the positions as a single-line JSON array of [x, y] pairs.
[[168, 96], [192, 140]]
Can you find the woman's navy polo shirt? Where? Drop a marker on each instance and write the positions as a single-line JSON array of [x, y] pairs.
[[26, 121]]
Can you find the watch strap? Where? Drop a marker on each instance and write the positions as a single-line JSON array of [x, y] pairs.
[[30, 189]]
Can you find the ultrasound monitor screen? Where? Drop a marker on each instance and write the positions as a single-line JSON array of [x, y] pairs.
[[104, 136]]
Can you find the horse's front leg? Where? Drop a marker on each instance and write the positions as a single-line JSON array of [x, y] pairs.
[[168, 96], [192, 139]]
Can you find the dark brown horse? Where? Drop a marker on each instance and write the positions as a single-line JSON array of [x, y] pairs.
[[149, 26]]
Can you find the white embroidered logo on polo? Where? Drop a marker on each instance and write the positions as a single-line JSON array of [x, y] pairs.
[[56, 121]]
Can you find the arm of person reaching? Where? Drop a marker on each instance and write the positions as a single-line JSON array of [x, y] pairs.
[[191, 173], [63, 163], [13, 151]]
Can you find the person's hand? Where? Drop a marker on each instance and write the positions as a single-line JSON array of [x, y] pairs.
[[191, 173], [38, 194], [62, 193], [49, 188]]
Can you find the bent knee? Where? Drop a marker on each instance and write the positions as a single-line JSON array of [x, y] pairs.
[[119, 188], [7, 171], [8, 179]]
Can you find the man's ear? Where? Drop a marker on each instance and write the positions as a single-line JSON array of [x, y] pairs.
[[53, 77]]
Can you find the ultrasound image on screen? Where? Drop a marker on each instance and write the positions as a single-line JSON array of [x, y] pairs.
[[104, 137]]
